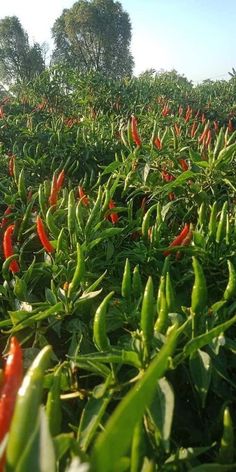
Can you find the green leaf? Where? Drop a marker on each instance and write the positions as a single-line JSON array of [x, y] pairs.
[[112, 444], [161, 412], [90, 419], [201, 368], [214, 468]]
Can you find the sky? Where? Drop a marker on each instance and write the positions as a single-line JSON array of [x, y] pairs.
[[195, 37]]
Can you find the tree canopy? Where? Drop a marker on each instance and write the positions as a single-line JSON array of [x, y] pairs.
[[19, 62], [94, 36]]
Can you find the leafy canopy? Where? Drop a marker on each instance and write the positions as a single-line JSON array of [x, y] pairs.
[[19, 62], [94, 36]]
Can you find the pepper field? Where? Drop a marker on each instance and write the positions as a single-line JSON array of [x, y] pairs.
[[118, 279]]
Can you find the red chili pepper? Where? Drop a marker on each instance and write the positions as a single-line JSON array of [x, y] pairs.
[[185, 242], [13, 374], [193, 129], [165, 110], [60, 179], [4, 221], [43, 236], [216, 125], [188, 114], [178, 240], [203, 118], [166, 176], [208, 138], [143, 204], [8, 248], [11, 165], [134, 132], [171, 196], [230, 126], [114, 217], [157, 142], [180, 110], [83, 196], [183, 164], [177, 129], [54, 192]]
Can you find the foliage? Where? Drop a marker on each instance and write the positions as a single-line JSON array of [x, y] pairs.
[[19, 62], [140, 315], [94, 36]]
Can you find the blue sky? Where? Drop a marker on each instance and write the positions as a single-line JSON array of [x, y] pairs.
[[195, 37]]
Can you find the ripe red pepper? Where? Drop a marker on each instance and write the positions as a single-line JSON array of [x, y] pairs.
[[134, 132], [230, 126], [178, 240], [208, 138], [114, 217], [188, 114], [12, 379], [216, 125], [157, 142], [165, 110], [183, 164], [8, 248], [60, 179], [83, 196], [11, 165], [43, 236], [185, 242], [177, 129], [193, 129], [180, 110], [203, 118]]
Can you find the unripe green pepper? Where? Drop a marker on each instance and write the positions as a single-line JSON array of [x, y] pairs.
[[79, 271], [162, 307], [226, 453], [137, 287], [222, 224], [53, 405], [230, 291], [126, 281], [212, 222], [199, 291], [147, 316], [100, 337]]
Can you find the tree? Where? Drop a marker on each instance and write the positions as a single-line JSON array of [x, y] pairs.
[[19, 62], [94, 36]]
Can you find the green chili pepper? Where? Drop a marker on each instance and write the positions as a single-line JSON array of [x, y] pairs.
[[230, 291], [202, 214], [212, 222], [53, 405], [137, 287], [226, 452], [79, 271], [26, 409], [146, 221], [95, 211], [147, 316], [220, 234], [228, 230], [162, 307], [42, 200], [170, 294], [126, 281], [21, 187], [199, 291], [61, 241], [71, 217], [26, 218], [53, 228], [100, 337]]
